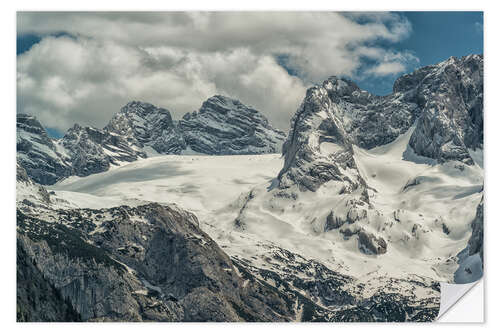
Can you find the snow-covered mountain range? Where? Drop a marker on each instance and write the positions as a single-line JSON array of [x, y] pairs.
[[396, 177], [375, 200], [222, 126], [146, 261]]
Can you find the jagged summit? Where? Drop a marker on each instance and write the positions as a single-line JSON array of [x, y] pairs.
[[225, 103], [222, 125], [92, 150], [38, 153], [136, 106], [340, 86], [317, 138], [340, 135], [444, 101], [136, 116], [225, 126], [145, 125]]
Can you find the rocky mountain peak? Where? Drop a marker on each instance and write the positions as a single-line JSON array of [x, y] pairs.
[[340, 86], [225, 126], [226, 103], [143, 109], [136, 118], [222, 125], [37, 153], [443, 101], [450, 95], [30, 124], [143, 125], [318, 148]]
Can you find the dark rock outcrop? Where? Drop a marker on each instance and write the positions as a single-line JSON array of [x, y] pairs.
[[151, 262], [445, 101], [143, 124], [225, 126], [450, 95], [37, 152], [476, 239], [370, 244], [92, 150], [38, 300]]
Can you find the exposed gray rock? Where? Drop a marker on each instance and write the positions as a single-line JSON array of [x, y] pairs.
[[450, 95], [21, 175], [333, 222], [222, 126], [354, 214], [368, 243], [37, 152], [92, 150], [38, 300], [317, 122], [471, 258], [476, 239], [143, 124], [443, 100], [151, 262], [87, 156], [25, 185], [225, 126], [368, 119]]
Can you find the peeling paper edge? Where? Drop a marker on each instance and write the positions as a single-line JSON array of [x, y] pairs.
[[451, 294]]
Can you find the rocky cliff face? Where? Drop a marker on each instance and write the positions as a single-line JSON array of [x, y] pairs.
[[37, 299], [137, 264], [92, 150], [476, 244], [439, 108], [138, 130], [145, 125], [38, 153], [445, 101], [318, 147], [225, 126], [450, 96]]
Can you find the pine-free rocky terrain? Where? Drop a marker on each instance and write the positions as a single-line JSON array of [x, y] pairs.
[[372, 203]]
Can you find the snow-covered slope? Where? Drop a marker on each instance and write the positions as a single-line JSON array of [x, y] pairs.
[[201, 184], [151, 261], [233, 199], [422, 211]]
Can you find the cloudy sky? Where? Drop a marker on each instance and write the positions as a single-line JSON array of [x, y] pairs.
[[82, 67]]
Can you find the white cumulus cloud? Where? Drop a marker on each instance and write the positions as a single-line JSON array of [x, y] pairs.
[[177, 60]]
